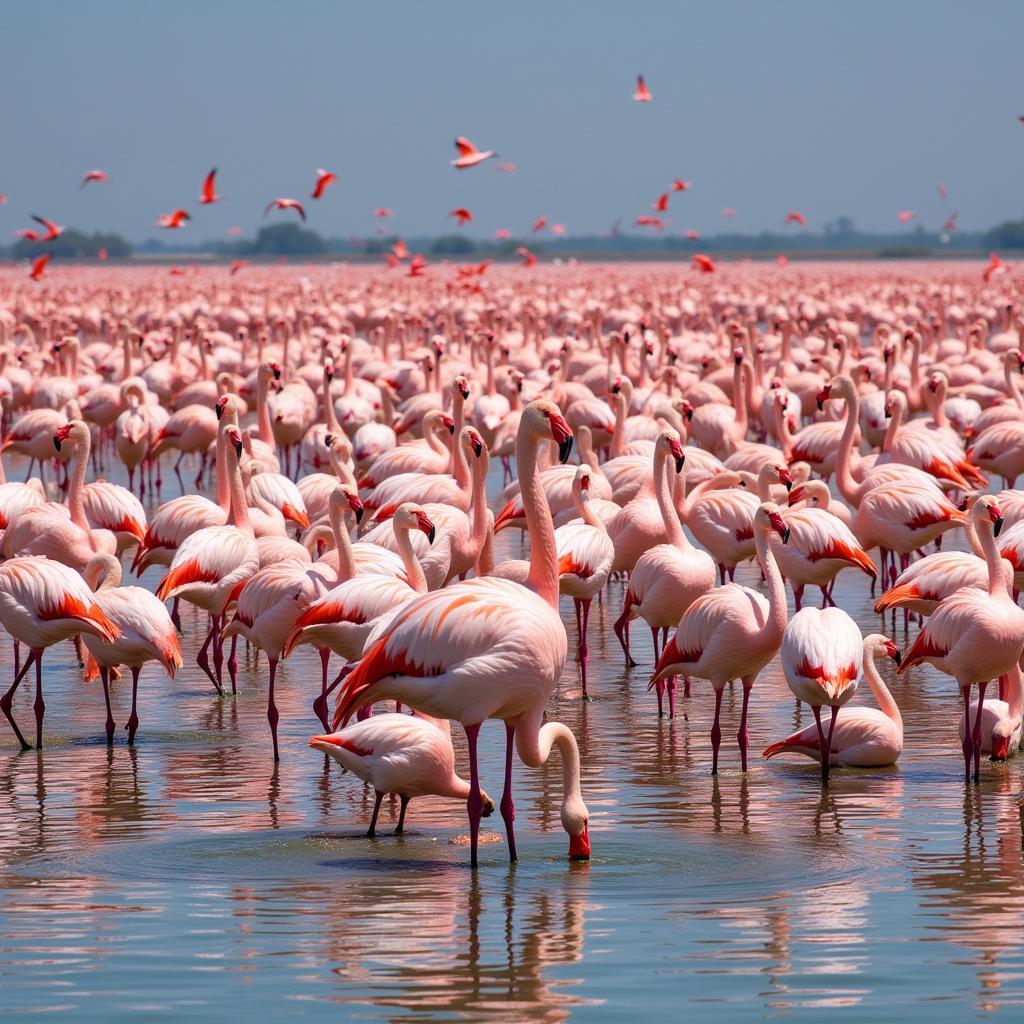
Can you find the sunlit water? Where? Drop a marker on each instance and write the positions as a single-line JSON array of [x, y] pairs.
[[190, 876]]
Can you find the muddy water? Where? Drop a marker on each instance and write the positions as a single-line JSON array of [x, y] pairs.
[[189, 876]]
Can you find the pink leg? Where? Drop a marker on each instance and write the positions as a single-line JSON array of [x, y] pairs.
[[39, 706], [976, 734], [378, 798], [272, 713], [202, 660], [743, 736], [133, 718], [716, 731], [584, 648], [816, 708], [508, 810], [672, 687], [654, 642], [826, 760], [5, 700], [474, 802], [968, 744], [320, 704], [105, 678], [798, 597], [659, 689], [622, 631]]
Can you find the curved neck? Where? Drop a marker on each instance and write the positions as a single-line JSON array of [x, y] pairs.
[[239, 516], [1014, 693], [618, 441], [883, 697], [413, 569], [989, 551], [534, 748], [330, 417], [895, 422], [478, 502], [775, 623], [457, 462], [266, 434], [782, 429], [543, 576], [1011, 385], [342, 543], [685, 506], [663, 469], [739, 401], [126, 370], [848, 487], [76, 483], [221, 476], [937, 401], [341, 469]]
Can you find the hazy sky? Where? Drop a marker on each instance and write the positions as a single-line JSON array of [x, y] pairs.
[[827, 108]]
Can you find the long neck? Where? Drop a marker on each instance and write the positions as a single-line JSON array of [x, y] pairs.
[[458, 469], [775, 624], [349, 382], [543, 576], [782, 429], [221, 476], [262, 412], [895, 422], [127, 368], [342, 544], [883, 697], [239, 506], [685, 506], [491, 389], [534, 748], [939, 405], [996, 583], [663, 468], [848, 487], [1014, 693], [478, 504], [1011, 385], [739, 400], [76, 486], [330, 418], [341, 469], [413, 569]]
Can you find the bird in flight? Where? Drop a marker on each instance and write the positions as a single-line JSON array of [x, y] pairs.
[[642, 94], [678, 185], [539, 224], [39, 266], [173, 220], [52, 230], [92, 176], [469, 155], [383, 211], [528, 258], [794, 217], [209, 193], [650, 222], [285, 204], [660, 205], [950, 224], [323, 179], [462, 215], [704, 263], [401, 250], [417, 266], [905, 216]]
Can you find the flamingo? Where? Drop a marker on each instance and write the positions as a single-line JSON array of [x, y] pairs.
[[489, 648], [41, 603], [1001, 719], [411, 755], [864, 737], [732, 632], [974, 635], [146, 633]]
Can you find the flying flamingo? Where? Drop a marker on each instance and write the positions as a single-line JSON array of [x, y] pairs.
[[146, 633], [732, 632], [92, 176], [822, 651], [323, 179], [411, 755], [43, 602], [173, 220], [285, 204], [864, 737], [209, 192], [489, 648], [642, 94], [469, 155], [974, 635]]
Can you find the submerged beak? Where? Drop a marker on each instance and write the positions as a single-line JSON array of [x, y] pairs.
[[579, 846]]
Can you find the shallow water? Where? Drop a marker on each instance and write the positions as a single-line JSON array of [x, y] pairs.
[[189, 876]]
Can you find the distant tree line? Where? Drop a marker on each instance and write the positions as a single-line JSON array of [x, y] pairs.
[[76, 245]]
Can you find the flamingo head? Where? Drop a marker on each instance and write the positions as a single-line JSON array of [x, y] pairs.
[[769, 518], [785, 477], [893, 651], [345, 494], [675, 448], [409, 516], [986, 506], [329, 370], [517, 379], [576, 821], [462, 385], [1001, 733], [235, 437], [276, 370], [543, 417], [686, 408], [933, 383], [823, 396], [472, 441], [737, 355], [583, 475], [839, 343], [616, 386], [75, 430], [448, 423], [222, 405]]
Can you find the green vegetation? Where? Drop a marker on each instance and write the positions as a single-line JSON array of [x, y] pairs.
[[76, 245]]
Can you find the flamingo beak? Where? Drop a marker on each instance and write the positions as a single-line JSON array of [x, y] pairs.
[[679, 455], [786, 477], [426, 526], [585, 484], [562, 433], [778, 524], [356, 505], [823, 396], [796, 494], [1000, 748], [997, 521], [328, 440], [894, 652], [478, 446], [688, 411], [450, 424], [277, 371], [579, 846], [464, 391], [62, 435]]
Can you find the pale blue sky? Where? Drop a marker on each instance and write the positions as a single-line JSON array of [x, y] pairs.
[[829, 108]]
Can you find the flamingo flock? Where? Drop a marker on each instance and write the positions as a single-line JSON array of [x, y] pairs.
[[356, 452]]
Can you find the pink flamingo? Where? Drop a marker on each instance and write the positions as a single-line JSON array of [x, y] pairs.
[[489, 648], [411, 755], [974, 635], [43, 602], [732, 632], [191, 429], [822, 651], [1001, 718], [146, 634], [864, 737]]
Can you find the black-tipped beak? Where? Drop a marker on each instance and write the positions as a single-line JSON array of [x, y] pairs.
[[478, 449], [898, 657], [451, 429], [219, 410], [565, 450], [359, 514], [238, 448], [464, 392], [680, 460], [997, 526], [277, 374], [56, 444], [785, 535], [432, 534], [328, 440]]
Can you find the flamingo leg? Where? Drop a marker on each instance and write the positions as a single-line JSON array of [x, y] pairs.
[[133, 718], [584, 649], [17, 657], [716, 731], [659, 689], [508, 810], [968, 743], [826, 760], [474, 802], [816, 708], [218, 652], [400, 828], [976, 734], [743, 736], [671, 686], [233, 664], [621, 628], [378, 799], [654, 642], [320, 704], [39, 705], [176, 613], [272, 712], [5, 700], [105, 677], [203, 661]]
